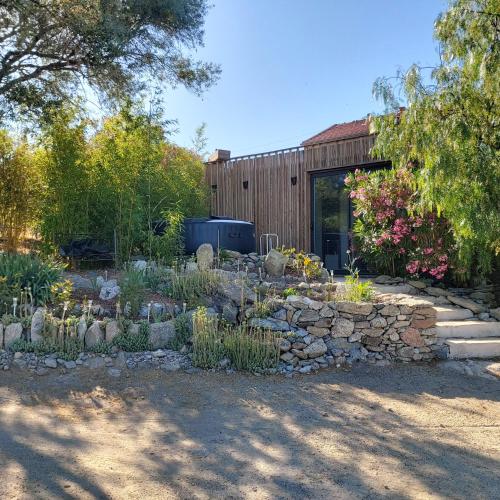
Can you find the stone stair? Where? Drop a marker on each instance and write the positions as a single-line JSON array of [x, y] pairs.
[[466, 337]]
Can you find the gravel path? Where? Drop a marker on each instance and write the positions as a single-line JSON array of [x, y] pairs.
[[392, 432]]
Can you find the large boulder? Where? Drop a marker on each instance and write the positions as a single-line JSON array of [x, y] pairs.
[[205, 256], [37, 322], [275, 263], [161, 334], [109, 290], [112, 330], [236, 291], [12, 333], [94, 334]]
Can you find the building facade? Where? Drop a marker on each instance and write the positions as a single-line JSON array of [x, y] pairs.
[[296, 193]]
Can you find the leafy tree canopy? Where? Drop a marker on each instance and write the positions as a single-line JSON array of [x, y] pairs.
[[50, 48], [451, 127]]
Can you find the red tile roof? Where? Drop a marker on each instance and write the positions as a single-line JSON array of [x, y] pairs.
[[357, 128]]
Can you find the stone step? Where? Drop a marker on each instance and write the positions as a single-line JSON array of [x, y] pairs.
[[474, 348], [452, 313], [468, 329]]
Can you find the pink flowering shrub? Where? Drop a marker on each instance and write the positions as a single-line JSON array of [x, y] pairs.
[[393, 235]]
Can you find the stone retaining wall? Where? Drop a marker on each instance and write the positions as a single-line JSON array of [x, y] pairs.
[[322, 333]]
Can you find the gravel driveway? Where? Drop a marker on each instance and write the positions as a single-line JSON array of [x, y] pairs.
[[373, 432]]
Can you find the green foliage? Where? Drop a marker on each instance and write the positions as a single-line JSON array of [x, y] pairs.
[[101, 347], [116, 48], [183, 331], [192, 286], [129, 342], [69, 348], [355, 289], [19, 272], [392, 232], [301, 263], [170, 245], [114, 184], [287, 292], [251, 349], [208, 348], [450, 129], [20, 186], [132, 290], [248, 349]]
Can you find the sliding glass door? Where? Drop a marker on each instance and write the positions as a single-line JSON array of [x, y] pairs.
[[331, 219]]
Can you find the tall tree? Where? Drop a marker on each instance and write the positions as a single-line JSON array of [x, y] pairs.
[[451, 128], [49, 48]]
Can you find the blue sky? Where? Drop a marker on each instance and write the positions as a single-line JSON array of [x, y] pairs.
[[291, 68]]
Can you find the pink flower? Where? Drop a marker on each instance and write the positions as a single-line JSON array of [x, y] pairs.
[[428, 251]]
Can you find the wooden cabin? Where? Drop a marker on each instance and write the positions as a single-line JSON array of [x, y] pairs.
[[296, 193]]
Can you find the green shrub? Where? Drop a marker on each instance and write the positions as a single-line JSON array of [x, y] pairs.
[[101, 347], [22, 272], [170, 245], [251, 349], [208, 348], [132, 289], [68, 348], [248, 349], [356, 290], [287, 292], [128, 342], [183, 331], [190, 287]]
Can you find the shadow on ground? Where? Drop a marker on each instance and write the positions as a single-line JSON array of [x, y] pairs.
[[396, 432]]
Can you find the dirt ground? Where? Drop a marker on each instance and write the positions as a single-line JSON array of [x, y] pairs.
[[391, 432]]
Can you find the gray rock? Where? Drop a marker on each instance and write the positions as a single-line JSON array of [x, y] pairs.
[[112, 330], [12, 333], [237, 291], [109, 292], [378, 322], [466, 304], [37, 322], [140, 265], [275, 263], [161, 334], [280, 314], [308, 316], [342, 327], [230, 312], [390, 310], [316, 349], [419, 285], [436, 292], [81, 328], [50, 363], [205, 256], [285, 345], [94, 334], [495, 313], [358, 308], [269, 324], [70, 365]]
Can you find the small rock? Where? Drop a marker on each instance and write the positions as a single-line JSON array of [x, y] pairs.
[[70, 365], [50, 362]]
